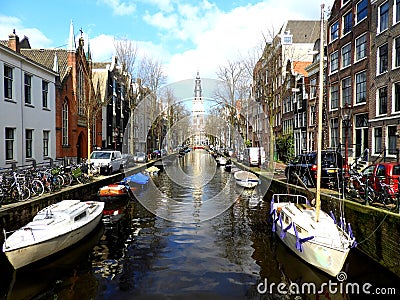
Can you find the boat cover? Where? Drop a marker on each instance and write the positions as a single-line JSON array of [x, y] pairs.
[[138, 178]]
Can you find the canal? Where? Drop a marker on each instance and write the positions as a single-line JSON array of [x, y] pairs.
[[191, 234]]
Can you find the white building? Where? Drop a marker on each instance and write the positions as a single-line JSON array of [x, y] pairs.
[[27, 109]]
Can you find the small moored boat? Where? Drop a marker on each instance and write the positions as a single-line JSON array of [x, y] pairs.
[[246, 179], [53, 229], [113, 192]]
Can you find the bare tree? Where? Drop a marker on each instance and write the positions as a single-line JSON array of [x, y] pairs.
[[126, 52], [234, 87]]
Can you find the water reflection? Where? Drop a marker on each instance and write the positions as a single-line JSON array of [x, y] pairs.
[[139, 255]]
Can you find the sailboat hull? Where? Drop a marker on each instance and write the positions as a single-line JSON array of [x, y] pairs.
[[328, 260], [318, 241]]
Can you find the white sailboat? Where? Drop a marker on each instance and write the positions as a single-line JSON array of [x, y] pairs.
[[308, 231]]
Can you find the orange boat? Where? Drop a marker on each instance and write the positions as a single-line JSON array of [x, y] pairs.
[[113, 192]]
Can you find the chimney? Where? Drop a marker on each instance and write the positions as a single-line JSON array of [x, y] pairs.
[[13, 42]]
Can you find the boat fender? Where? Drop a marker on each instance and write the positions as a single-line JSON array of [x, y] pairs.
[[332, 216], [354, 244], [283, 233], [300, 241]]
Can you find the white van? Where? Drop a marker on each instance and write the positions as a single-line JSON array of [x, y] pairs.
[[251, 156], [108, 161]]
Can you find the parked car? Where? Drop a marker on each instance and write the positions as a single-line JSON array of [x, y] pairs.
[[108, 161], [141, 157], [376, 174], [305, 166], [128, 160]]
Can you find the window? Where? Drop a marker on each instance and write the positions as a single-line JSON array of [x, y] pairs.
[[377, 140], [313, 88], [346, 91], [383, 59], [383, 21], [392, 140], [335, 31], [8, 82], [334, 133], [81, 92], [382, 101], [362, 10], [45, 93], [46, 136], [312, 115], [28, 143], [9, 143], [396, 97], [397, 10], [346, 55], [334, 61], [28, 89], [361, 87], [334, 96], [361, 47], [65, 123], [347, 22], [396, 52]]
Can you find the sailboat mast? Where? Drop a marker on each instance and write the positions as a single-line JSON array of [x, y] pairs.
[[320, 102]]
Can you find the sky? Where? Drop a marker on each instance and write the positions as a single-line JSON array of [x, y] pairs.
[[186, 36]]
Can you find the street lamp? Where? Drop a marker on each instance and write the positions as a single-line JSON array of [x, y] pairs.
[[346, 112]]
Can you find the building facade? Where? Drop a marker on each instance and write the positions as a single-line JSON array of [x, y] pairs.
[[27, 107], [348, 70]]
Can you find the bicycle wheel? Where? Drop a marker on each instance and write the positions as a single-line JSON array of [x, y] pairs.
[[2, 192], [37, 188], [68, 179], [21, 194], [389, 199]]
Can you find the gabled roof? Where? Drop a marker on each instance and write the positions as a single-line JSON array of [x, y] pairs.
[[46, 58], [302, 31]]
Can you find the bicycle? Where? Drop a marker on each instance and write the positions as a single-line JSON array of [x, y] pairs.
[[14, 188], [386, 196], [361, 189]]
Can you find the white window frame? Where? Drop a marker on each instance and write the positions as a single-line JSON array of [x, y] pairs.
[[379, 27], [342, 57], [331, 60], [356, 48]]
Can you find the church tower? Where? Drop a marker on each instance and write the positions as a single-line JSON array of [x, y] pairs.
[[198, 113]]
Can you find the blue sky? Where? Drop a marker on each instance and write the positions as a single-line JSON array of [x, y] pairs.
[[185, 35]]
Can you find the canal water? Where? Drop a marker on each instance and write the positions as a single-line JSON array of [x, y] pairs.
[[191, 234]]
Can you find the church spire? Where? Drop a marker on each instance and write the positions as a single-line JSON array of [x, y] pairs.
[[197, 87], [71, 39]]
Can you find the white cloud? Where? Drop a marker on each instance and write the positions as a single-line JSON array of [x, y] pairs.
[[102, 48], [225, 35], [163, 5], [161, 21], [36, 38], [120, 8]]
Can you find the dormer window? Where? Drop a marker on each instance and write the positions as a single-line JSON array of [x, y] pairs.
[[287, 38]]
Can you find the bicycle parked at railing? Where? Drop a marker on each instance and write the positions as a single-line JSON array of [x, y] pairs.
[[359, 188], [386, 197], [13, 188]]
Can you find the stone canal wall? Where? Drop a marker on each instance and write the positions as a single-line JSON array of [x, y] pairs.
[[377, 231]]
